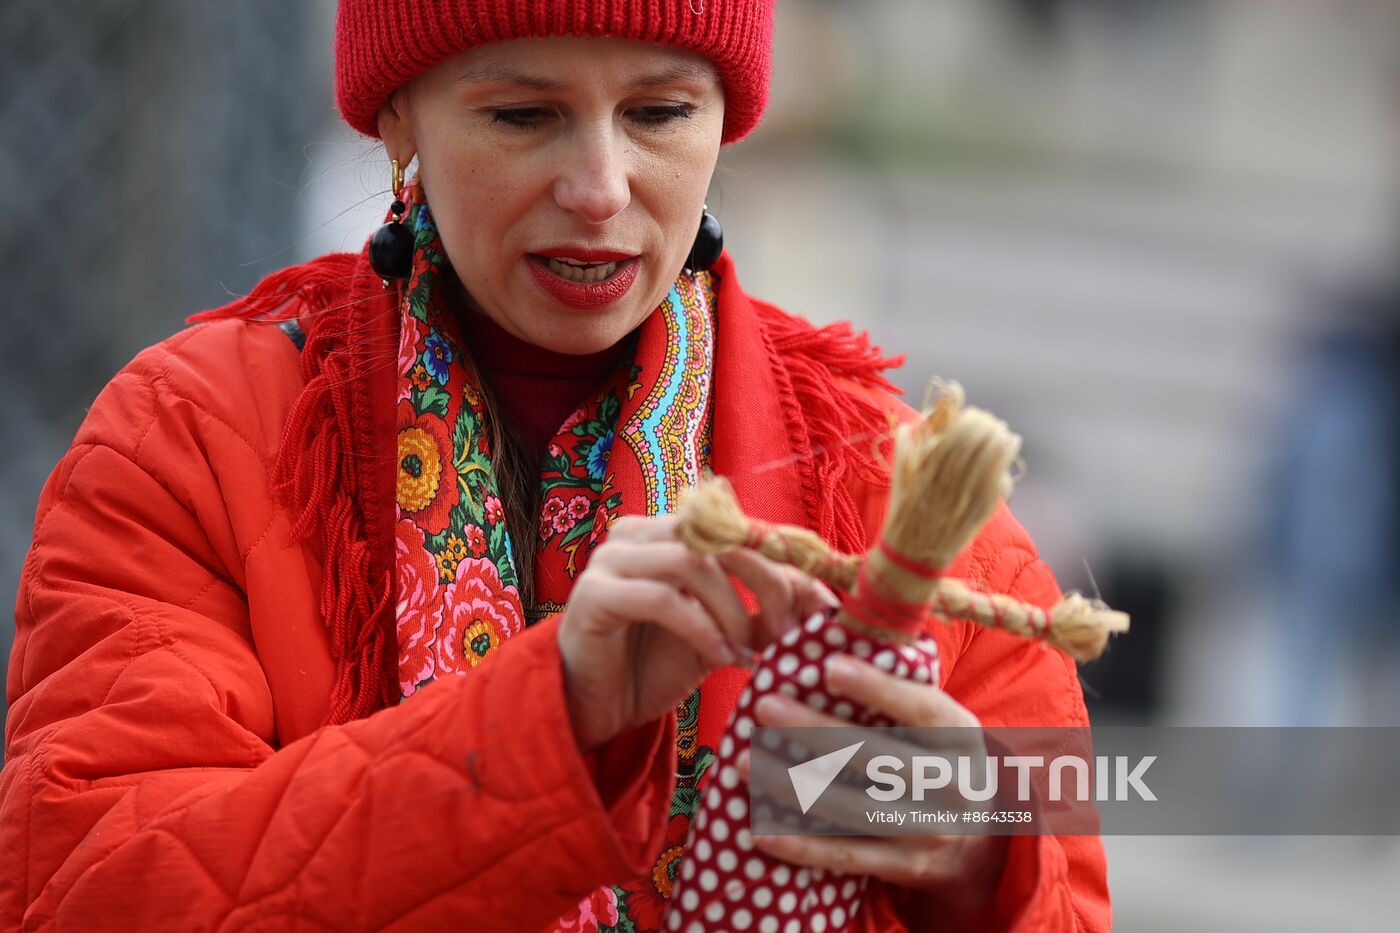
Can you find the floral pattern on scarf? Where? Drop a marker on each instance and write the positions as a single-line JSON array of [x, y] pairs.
[[458, 597], [629, 449]]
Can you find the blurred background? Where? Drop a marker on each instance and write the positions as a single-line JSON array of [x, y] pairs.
[[1160, 237]]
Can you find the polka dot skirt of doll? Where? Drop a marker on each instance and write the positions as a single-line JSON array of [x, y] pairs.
[[725, 883]]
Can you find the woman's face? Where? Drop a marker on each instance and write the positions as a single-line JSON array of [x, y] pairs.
[[567, 177]]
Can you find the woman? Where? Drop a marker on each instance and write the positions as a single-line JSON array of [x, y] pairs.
[[376, 618]]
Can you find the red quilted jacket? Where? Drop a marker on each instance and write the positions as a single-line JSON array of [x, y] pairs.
[[165, 764]]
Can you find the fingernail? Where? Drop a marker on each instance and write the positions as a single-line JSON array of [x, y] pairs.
[[726, 654], [770, 707], [841, 670], [828, 597]]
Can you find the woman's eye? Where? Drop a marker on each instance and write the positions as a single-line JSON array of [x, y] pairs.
[[534, 117], [656, 116], [523, 117]]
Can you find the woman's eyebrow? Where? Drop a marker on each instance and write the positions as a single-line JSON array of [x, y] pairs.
[[675, 73], [502, 73]]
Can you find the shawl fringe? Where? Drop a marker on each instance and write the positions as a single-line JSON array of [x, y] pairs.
[[321, 455], [289, 292], [829, 418]]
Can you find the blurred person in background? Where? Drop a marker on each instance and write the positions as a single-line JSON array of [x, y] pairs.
[[1333, 541], [1332, 533], [356, 603]]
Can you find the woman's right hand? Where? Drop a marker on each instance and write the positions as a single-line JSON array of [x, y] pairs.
[[648, 619]]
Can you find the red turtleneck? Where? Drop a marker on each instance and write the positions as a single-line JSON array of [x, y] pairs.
[[537, 389]]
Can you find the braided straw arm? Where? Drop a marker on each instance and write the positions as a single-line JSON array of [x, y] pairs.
[[1077, 626], [710, 521]]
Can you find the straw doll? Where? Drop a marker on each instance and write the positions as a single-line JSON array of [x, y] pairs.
[[951, 468]]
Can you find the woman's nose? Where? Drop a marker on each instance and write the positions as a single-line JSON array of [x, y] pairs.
[[593, 183]]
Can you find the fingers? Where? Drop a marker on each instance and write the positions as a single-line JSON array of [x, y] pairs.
[[908, 861], [646, 548], [823, 733], [785, 594], [915, 861], [626, 600], [782, 591], [909, 703], [815, 596], [669, 561], [636, 528], [774, 590]]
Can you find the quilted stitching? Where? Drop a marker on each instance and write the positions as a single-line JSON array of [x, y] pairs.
[[441, 807]]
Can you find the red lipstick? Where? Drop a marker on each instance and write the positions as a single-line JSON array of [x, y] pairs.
[[584, 294]]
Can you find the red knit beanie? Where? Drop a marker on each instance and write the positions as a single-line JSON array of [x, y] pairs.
[[381, 45]]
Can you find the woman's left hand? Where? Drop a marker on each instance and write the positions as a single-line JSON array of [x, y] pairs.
[[958, 873]]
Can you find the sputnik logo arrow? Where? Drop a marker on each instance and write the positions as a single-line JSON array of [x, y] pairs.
[[811, 778]]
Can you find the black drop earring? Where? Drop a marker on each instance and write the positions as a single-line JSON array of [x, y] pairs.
[[709, 243], [391, 247]]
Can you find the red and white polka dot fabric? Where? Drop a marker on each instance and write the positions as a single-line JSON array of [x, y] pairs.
[[725, 883]]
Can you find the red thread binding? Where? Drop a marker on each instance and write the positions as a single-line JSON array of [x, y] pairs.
[[908, 564], [882, 612]]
